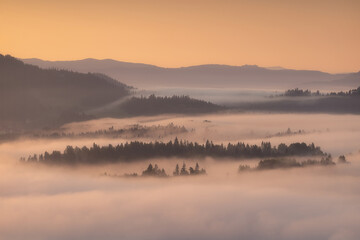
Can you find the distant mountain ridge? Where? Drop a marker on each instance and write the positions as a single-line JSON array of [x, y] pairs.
[[210, 75]]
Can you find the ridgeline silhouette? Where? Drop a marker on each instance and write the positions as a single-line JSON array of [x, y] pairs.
[[34, 97]]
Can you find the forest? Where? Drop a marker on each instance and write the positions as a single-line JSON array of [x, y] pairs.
[[296, 92], [153, 105], [136, 150]]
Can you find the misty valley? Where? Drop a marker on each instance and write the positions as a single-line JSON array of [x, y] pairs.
[[112, 154]]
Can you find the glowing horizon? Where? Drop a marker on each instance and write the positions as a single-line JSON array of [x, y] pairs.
[[312, 35]]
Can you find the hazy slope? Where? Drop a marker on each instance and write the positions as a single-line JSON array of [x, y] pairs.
[[212, 75], [350, 80], [31, 96]]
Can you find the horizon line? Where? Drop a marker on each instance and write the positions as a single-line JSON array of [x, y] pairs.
[[188, 66]]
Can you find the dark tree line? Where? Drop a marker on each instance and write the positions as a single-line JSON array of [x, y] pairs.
[[275, 163], [185, 172], [288, 163], [153, 105], [300, 93], [136, 150], [155, 171], [296, 92], [351, 93]]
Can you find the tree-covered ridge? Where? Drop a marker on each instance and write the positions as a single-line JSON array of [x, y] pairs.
[[136, 150], [153, 105], [296, 92], [39, 97]]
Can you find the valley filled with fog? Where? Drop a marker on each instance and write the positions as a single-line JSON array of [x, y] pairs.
[[179, 120], [93, 201]]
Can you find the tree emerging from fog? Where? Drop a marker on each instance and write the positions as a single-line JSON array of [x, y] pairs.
[[275, 163], [154, 171], [185, 172]]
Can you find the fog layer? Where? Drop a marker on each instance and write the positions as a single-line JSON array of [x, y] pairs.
[[336, 134], [310, 203], [318, 203]]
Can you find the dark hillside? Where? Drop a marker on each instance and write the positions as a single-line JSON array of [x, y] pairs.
[[32, 97]]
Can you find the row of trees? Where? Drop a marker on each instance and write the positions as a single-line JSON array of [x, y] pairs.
[[299, 93], [192, 171], [137, 150], [303, 93], [155, 171], [274, 163]]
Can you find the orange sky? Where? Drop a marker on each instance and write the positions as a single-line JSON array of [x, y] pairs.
[[323, 35]]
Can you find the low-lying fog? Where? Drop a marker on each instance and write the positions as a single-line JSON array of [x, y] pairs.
[[336, 134], [40, 202], [222, 96]]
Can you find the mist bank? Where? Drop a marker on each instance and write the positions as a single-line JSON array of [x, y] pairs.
[[326, 104], [307, 203], [293, 100], [335, 133], [298, 100], [41, 201], [265, 164], [129, 132]]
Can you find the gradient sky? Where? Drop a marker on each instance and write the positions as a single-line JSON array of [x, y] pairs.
[[322, 35]]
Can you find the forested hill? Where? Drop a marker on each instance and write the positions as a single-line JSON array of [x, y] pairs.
[[33, 97], [154, 105]]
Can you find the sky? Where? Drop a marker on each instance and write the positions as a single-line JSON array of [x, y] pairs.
[[321, 35]]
